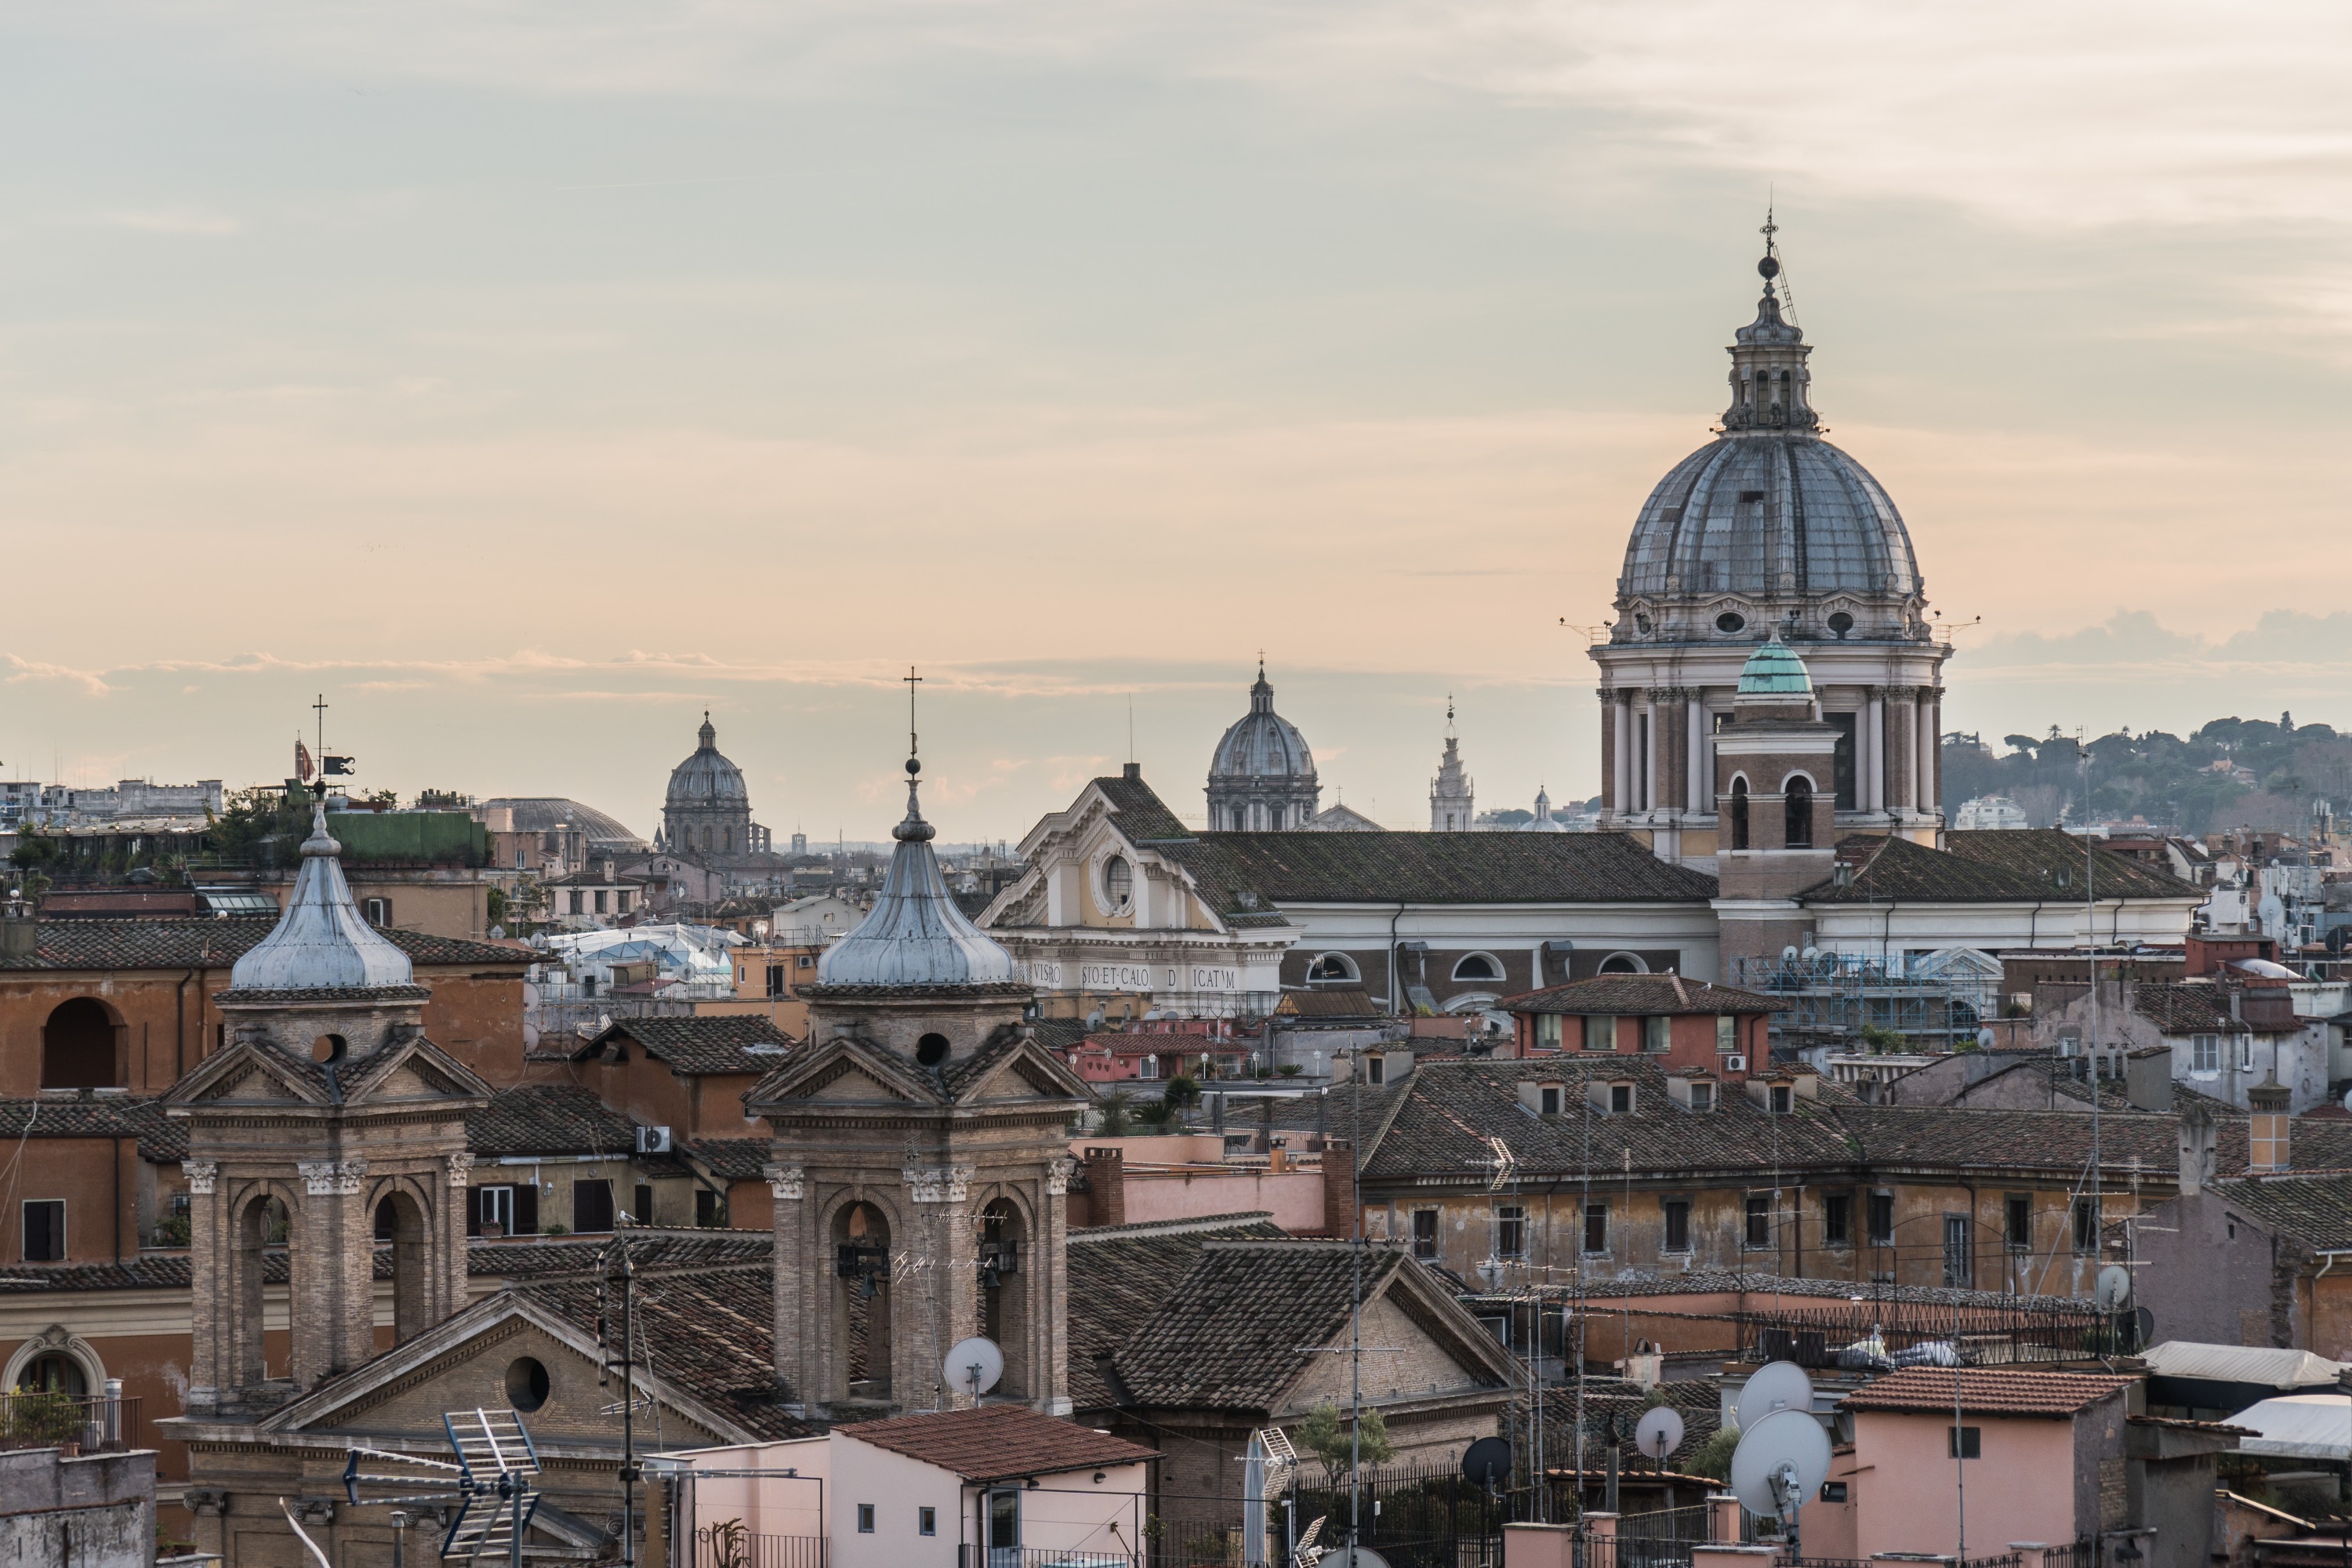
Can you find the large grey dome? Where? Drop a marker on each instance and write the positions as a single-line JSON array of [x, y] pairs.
[[544, 813], [1769, 513], [915, 935], [1262, 745], [707, 777]]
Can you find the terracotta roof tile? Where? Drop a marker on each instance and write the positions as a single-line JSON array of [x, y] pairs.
[[214, 943], [1641, 993], [1928, 1391], [697, 1046], [161, 1138], [1120, 1275], [999, 1443]]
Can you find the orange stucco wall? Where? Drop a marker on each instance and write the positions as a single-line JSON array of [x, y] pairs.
[[1903, 1491]]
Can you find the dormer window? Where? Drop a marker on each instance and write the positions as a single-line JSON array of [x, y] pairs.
[[1783, 1099], [1702, 1097], [1547, 1099], [1621, 1100]]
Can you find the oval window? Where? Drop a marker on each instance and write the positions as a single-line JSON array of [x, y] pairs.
[[1728, 622], [1841, 623], [526, 1383], [1118, 882], [931, 1050]]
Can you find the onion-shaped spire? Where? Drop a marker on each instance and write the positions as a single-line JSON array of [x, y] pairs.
[[321, 943]]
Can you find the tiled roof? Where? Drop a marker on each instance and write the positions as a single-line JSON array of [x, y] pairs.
[[2314, 1209], [733, 1159], [709, 1331], [1120, 1275], [999, 1443], [1641, 993], [1142, 815], [216, 944], [1928, 1391], [549, 1119], [1453, 868], [1351, 1003], [1244, 1323], [529, 1260], [698, 1046], [2183, 1007], [1613, 1407], [1985, 866], [161, 1138]]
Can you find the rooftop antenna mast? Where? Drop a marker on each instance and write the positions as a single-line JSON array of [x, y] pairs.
[[2091, 958]]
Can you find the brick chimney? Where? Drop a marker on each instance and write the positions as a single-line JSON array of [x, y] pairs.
[[2196, 1150], [2266, 1148], [1338, 1187], [1105, 1186]]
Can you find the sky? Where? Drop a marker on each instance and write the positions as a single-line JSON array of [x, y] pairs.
[[527, 378]]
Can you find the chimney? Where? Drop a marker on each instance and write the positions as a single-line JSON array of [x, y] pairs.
[[2147, 1078], [1132, 772], [2196, 1150], [2266, 1148], [1338, 1187], [1106, 1188], [20, 936]]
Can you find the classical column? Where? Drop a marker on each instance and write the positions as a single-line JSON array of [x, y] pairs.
[[1649, 790], [1694, 774], [1924, 735], [1621, 707], [796, 1272], [211, 1351], [1872, 760], [1610, 752], [1901, 752], [1054, 1396], [1935, 748]]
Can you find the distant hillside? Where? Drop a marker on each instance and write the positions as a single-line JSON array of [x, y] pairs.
[[2232, 772]]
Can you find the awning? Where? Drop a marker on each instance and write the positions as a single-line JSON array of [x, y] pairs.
[[2299, 1426], [2272, 1368]]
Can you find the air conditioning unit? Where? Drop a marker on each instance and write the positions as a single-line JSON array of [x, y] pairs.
[[652, 1140], [1730, 1064]]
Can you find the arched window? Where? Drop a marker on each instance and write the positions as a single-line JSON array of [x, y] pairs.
[[1479, 966], [401, 1222], [727, 840], [1332, 966], [77, 1045], [1739, 813], [1003, 1291], [1623, 964], [1800, 801], [1241, 819]]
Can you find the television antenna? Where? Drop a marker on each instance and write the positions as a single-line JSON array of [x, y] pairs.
[[1781, 1461], [489, 1483]]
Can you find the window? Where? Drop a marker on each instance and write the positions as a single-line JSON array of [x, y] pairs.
[[2017, 1222], [865, 1519], [621, 902], [2205, 1053], [1148, 1069], [507, 1210], [1332, 966], [1118, 883], [1510, 1231], [776, 980], [1833, 1491], [1726, 1033], [1702, 1097], [1837, 1220], [1657, 1034], [1425, 1235], [1004, 1522], [1478, 966], [642, 1210], [1783, 1099], [1596, 1227], [45, 1231], [1677, 1213], [1548, 1097], [1964, 1442], [2086, 1225], [1799, 812], [601, 902], [2245, 1053], [706, 1206], [1739, 813], [1600, 1034], [1759, 1221], [1959, 1264], [927, 1521], [1548, 1031], [1375, 1069], [377, 911], [1882, 1218], [579, 902], [592, 1206], [1621, 1100]]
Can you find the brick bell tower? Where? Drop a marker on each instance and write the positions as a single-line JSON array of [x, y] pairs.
[[1775, 795], [920, 1162], [327, 1126]]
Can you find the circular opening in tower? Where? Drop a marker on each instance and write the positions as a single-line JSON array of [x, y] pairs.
[[330, 1049], [931, 1050], [526, 1384], [1841, 623], [1728, 623]]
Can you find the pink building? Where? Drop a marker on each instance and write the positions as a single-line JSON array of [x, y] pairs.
[[1716, 1029]]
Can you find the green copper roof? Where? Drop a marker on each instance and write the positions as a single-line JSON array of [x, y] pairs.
[[1775, 669]]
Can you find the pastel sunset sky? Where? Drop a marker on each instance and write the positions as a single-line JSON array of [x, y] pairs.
[[529, 377]]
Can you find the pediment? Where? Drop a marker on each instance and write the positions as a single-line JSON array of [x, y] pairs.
[[845, 1080], [845, 1068], [1025, 1071], [249, 1076]]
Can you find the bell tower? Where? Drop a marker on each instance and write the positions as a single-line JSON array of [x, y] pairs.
[[920, 1162], [1775, 794], [328, 1126]]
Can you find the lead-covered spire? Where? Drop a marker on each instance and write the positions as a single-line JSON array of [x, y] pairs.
[[321, 943], [915, 937]]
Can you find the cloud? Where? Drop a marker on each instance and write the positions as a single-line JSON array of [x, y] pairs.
[[25, 669], [170, 220]]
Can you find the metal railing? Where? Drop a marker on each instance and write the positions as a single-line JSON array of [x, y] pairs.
[[101, 1423], [1881, 1335], [728, 1545]]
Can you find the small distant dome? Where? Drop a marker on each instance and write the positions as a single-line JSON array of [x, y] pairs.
[[1775, 670], [321, 943], [1544, 822], [707, 777], [1262, 745]]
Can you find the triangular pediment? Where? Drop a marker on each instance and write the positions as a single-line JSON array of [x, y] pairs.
[[1019, 1069], [843, 1067]]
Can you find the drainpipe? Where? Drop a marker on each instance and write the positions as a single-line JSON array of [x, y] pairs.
[[180, 1028], [1396, 996]]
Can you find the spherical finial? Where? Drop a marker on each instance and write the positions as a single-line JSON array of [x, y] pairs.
[[914, 766], [1769, 267]]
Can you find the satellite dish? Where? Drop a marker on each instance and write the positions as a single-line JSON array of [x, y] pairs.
[[1811, 953], [2115, 1287], [1487, 1461], [2144, 1324], [1781, 1461], [1353, 1557], [1789, 954], [1659, 1433], [973, 1365], [1780, 1385]]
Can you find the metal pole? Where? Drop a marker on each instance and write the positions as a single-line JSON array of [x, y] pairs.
[[514, 1535], [1355, 1313], [1959, 1454], [628, 1414]]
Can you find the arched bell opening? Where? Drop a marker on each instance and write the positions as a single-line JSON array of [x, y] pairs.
[[861, 1235], [80, 1046], [400, 1221], [263, 1228], [1004, 1293], [1799, 809]]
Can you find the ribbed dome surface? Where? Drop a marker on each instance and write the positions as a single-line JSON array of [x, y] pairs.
[[707, 776], [1775, 670], [1763, 513], [321, 943], [915, 935], [1261, 744]]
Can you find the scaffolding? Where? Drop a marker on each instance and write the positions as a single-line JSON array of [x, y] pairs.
[[1936, 1003]]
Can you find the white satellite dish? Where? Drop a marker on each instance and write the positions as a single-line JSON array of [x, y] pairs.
[[1781, 1461], [2114, 1289], [1777, 1385], [1353, 1557], [1659, 1433], [973, 1365], [1789, 954]]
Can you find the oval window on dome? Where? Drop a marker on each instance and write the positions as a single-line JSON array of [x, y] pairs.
[[1729, 622]]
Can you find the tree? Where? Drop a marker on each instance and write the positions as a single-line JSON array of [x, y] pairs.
[[1118, 1114], [1181, 1094], [1326, 1436], [1713, 1458]]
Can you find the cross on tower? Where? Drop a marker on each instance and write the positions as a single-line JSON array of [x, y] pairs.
[[912, 680]]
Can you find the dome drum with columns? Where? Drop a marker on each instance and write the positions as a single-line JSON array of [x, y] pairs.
[[1262, 776], [1768, 532], [708, 809]]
